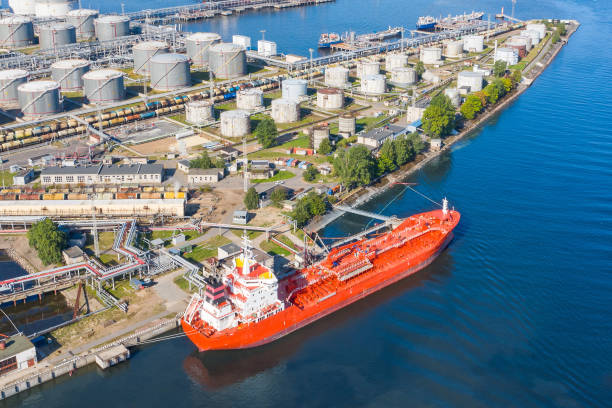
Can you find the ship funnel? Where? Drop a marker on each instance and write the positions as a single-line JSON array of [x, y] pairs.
[[445, 206]]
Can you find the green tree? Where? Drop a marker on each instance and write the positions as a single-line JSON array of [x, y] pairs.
[[416, 142], [307, 207], [471, 106], [277, 196], [310, 173], [325, 147], [439, 117], [516, 77], [561, 29], [385, 164], [388, 149], [48, 240], [266, 132], [251, 200], [202, 162], [355, 167], [492, 93], [419, 68], [499, 68], [507, 84], [555, 37], [404, 151]]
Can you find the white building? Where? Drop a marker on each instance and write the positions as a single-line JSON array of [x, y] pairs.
[[114, 174], [204, 176], [16, 353]]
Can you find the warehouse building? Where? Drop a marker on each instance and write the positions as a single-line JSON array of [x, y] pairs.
[[376, 137], [114, 174], [204, 176]]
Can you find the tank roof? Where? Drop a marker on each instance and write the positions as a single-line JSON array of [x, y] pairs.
[[13, 73], [226, 47], [204, 37], [473, 74], [150, 45], [295, 81], [70, 63], [202, 102], [375, 77], [15, 20], [38, 86], [329, 91], [105, 73], [113, 19], [236, 113], [57, 26], [284, 101], [83, 12], [169, 58], [251, 91]]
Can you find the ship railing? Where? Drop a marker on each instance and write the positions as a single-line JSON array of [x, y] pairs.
[[192, 308]]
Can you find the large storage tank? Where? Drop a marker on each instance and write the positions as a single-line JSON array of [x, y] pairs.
[[109, 28], [319, 133], [373, 84], [10, 79], [395, 61], [294, 89], [16, 31], [242, 40], [366, 68], [472, 80], [104, 86], [69, 73], [337, 77], [454, 49], [540, 28], [170, 72], [56, 35], [199, 112], [330, 98], [453, 95], [198, 45], [266, 48], [23, 7], [83, 21], [346, 124], [431, 55], [520, 40], [403, 76], [39, 98], [509, 55], [144, 51], [285, 110], [534, 35], [227, 60], [235, 123], [53, 8], [249, 99], [473, 43]]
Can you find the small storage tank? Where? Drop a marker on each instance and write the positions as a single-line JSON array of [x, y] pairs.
[[534, 35], [454, 49], [10, 80], [295, 89], [69, 73], [266, 48], [23, 7], [473, 43], [104, 86], [395, 61], [249, 99], [403, 76], [373, 84], [235, 123], [39, 98], [53, 8], [144, 51], [540, 28], [242, 40], [83, 21], [170, 72], [509, 55], [285, 110], [319, 133], [472, 80], [520, 40], [337, 77], [199, 112], [227, 60], [366, 68], [431, 55], [198, 45], [16, 31], [330, 98], [109, 28], [56, 35], [453, 95], [346, 124]]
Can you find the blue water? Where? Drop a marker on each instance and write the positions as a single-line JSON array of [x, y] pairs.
[[515, 313]]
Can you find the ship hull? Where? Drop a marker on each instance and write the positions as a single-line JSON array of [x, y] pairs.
[[294, 318]]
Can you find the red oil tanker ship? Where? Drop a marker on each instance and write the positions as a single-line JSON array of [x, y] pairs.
[[247, 305]]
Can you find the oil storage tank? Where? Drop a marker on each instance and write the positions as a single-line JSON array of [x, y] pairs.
[[534, 35], [56, 35], [266, 48], [10, 80], [16, 31], [39, 98], [454, 49], [294, 89], [473, 43], [395, 61], [249, 99], [53, 8], [285, 110], [235, 123], [319, 133], [373, 84], [144, 51], [366, 68], [330, 98], [199, 112], [242, 40], [69, 73], [471, 80], [539, 27], [83, 22], [403, 76], [431, 55], [346, 124], [104, 86], [109, 28], [227, 60], [170, 72], [337, 77], [198, 45]]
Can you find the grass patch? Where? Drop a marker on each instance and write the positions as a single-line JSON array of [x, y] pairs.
[[122, 290], [272, 154], [182, 283], [6, 177], [179, 118], [84, 329], [206, 249], [108, 259], [251, 234], [287, 241], [306, 119], [274, 249], [301, 141], [106, 239], [271, 96], [369, 122], [281, 175], [166, 235]]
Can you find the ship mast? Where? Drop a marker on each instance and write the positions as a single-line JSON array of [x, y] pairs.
[[247, 254]]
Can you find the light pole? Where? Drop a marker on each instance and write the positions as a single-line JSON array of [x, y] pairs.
[[310, 71]]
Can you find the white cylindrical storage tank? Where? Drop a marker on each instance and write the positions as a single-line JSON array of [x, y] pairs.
[[403, 76], [10, 80], [366, 68], [144, 51], [249, 99], [16, 31], [454, 49], [346, 124], [540, 28], [104, 86], [199, 112], [23, 7], [83, 22], [109, 28], [330, 98], [170, 72], [69, 73], [395, 61], [242, 40], [235, 123], [373, 84], [534, 35], [337, 77], [294, 89], [227, 60], [521, 40], [39, 98], [509, 55], [285, 110], [472, 80], [473, 43], [319, 133], [53, 8], [453, 95], [431, 55], [56, 35], [266, 48], [198, 45]]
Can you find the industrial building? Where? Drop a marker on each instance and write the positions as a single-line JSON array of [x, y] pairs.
[[204, 176], [113, 174], [86, 208], [376, 137], [16, 353]]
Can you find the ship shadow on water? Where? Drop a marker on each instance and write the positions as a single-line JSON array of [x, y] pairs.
[[218, 369]]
